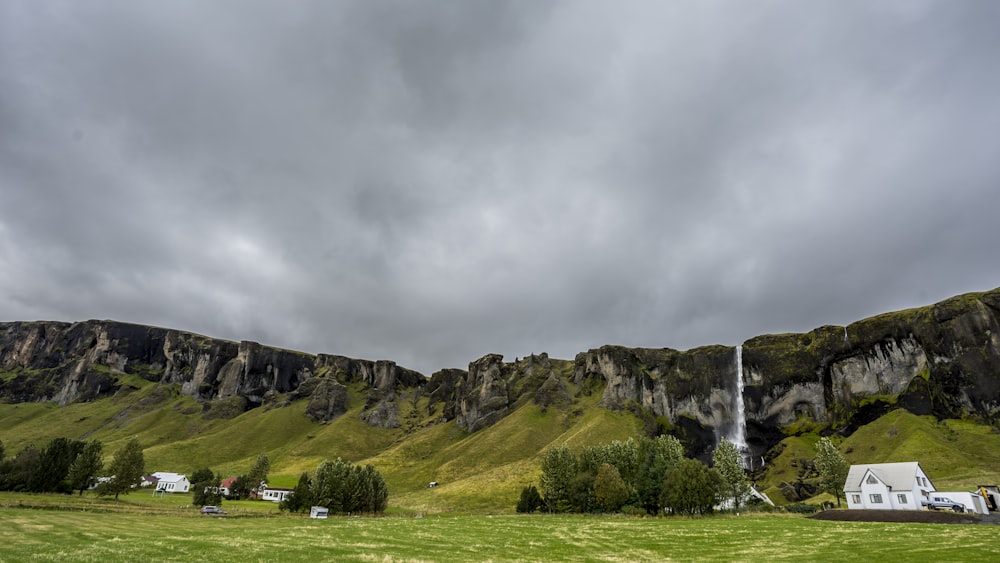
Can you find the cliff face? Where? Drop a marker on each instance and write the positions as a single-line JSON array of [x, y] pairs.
[[62, 362], [942, 359], [490, 389]]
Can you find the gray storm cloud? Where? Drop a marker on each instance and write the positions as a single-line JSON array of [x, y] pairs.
[[432, 181]]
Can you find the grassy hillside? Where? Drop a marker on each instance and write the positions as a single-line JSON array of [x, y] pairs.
[[479, 472], [956, 454]]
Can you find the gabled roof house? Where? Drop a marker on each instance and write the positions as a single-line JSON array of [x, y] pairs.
[[172, 482], [887, 486]]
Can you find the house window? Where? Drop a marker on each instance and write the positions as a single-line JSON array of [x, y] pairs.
[[925, 481], [876, 499], [856, 499], [901, 498], [872, 480]]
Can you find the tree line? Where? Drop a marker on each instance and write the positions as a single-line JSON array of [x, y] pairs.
[[653, 476], [647, 475], [340, 486], [65, 465]]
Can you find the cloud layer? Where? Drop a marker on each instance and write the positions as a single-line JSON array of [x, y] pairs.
[[432, 181]]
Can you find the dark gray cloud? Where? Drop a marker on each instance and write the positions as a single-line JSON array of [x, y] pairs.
[[432, 181]]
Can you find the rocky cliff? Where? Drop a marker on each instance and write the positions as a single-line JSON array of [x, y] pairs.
[[942, 359], [63, 362]]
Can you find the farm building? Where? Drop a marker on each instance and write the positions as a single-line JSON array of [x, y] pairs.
[[171, 482], [887, 486], [275, 494]]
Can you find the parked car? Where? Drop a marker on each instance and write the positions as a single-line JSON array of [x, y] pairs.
[[212, 510], [938, 503]]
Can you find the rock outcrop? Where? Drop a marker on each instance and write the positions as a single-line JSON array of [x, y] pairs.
[[490, 389], [63, 362], [942, 359]]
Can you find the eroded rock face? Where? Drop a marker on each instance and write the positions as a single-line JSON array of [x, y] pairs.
[[257, 369], [66, 362], [943, 359], [327, 401], [483, 396]]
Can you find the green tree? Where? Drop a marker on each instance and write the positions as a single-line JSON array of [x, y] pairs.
[[257, 476], [610, 491], [202, 475], [18, 470], [346, 488], [206, 488], [728, 461], [126, 469], [86, 466], [661, 454], [690, 488], [52, 466], [530, 500], [832, 468], [240, 488], [376, 493], [330, 485], [300, 498], [558, 473]]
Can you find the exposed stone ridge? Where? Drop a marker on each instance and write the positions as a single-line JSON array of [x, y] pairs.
[[943, 359], [491, 388], [66, 362]]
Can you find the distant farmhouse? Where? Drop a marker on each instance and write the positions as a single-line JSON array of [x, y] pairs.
[[275, 494], [904, 486], [171, 482]]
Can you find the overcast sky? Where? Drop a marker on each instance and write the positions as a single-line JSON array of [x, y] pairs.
[[429, 182]]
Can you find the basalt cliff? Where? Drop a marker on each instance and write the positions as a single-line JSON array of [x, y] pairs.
[[943, 359]]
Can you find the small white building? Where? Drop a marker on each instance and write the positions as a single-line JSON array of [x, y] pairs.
[[275, 494], [319, 512], [171, 482], [887, 486], [974, 502]]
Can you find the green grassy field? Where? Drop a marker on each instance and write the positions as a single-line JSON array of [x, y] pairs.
[[183, 535]]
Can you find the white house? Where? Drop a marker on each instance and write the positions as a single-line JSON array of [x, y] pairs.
[[171, 482], [275, 494], [887, 486]]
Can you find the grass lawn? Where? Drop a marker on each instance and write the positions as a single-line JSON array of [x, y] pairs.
[[75, 535]]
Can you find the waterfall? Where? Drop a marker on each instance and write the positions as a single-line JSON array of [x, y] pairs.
[[739, 439]]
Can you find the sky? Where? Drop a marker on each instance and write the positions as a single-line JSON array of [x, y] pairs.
[[432, 181]]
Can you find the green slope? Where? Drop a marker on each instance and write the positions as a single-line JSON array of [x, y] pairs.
[[479, 472], [956, 454]]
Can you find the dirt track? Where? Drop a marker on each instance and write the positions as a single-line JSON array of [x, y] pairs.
[[919, 516]]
